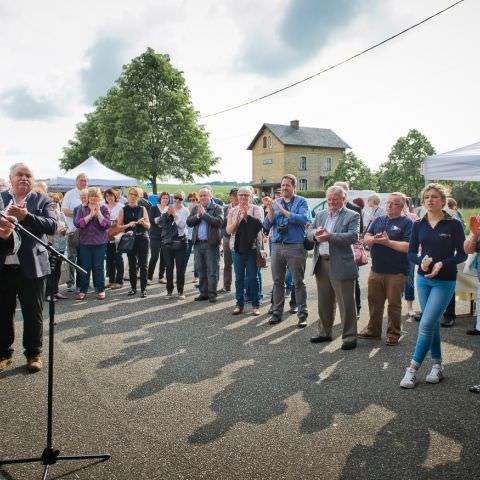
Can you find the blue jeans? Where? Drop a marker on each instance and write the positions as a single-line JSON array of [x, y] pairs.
[[92, 259], [410, 285], [434, 296], [245, 266], [288, 280]]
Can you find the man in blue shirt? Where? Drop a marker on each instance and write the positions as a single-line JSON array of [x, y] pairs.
[[388, 237], [286, 218]]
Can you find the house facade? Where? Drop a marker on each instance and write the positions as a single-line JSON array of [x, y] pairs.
[[310, 154]]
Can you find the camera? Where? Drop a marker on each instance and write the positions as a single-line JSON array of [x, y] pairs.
[[282, 229]]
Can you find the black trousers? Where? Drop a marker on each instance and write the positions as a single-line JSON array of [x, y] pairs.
[[155, 252], [175, 258], [115, 269], [139, 254], [30, 292]]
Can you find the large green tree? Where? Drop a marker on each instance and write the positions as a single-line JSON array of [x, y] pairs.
[[402, 171], [353, 170], [145, 126]]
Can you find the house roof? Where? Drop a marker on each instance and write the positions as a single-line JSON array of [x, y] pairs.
[[303, 136]]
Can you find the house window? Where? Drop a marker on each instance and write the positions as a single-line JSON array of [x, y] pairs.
[[302, 163], [267, 161], [269, 141], [328, 164], [264, 142], [302, 184]]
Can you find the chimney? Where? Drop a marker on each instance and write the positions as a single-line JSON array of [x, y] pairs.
[[295, 124]]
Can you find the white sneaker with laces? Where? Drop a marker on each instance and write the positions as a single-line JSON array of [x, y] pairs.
[[436, 374], [410, 378]]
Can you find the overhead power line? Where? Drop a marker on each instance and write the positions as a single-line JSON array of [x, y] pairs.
[[263, 97]]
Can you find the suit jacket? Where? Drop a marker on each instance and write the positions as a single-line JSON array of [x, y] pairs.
[[344, 235], [41, 222], [214, 217]]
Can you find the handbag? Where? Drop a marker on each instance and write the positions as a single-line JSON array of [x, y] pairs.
[[113, 231], [471, 265], [308, 244], [125, 245], [261, 259], [359, 254]]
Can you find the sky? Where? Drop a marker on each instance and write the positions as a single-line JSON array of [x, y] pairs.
[[58, 56]]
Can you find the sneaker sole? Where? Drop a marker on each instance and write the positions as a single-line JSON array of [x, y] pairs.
[[408, 386], [435, 380]]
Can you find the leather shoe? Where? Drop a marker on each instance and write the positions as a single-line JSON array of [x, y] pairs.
[[367, 334], [473, 332], [237, 310], [293, 309], [302, 322], [448, 322], [349, 345], [274, 320], [212, 299], [200, 298], [34, 364], [320, 339]]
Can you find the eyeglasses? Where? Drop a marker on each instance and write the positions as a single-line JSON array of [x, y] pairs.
[[178, 198]]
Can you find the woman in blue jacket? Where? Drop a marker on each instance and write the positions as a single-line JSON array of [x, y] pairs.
[[436, 246]]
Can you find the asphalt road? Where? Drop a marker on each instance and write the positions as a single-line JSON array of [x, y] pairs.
[[183, 390]]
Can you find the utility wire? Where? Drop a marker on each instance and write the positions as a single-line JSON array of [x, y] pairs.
[[333, 66]]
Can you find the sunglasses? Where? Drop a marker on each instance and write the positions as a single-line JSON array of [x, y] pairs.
[[178, 198]]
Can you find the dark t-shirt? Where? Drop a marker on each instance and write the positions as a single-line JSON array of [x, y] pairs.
[[385, 259]]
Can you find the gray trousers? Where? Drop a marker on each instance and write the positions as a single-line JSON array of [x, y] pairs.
[[227, 264], [329, 292], [72, 254], [207, 265], [294, 257]]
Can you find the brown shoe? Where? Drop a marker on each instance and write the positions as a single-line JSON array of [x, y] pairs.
[[237, 310], [4, 363], [366, 334], [116, 286], [256, 312], [34, 364], [391, 341]]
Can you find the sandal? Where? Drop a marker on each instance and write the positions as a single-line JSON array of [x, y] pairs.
[[80, 296], [256, 311], [475, 388], [237, 310], [390, 341]]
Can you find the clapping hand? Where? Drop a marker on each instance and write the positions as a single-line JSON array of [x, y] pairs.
[[201, 210], [475, 225], [170, 210], [436, 268], [381, 238], [18, 211], [322, 235]]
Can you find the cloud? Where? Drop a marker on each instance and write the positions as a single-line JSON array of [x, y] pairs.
[[19, 104], [303, 30], [106, 58]]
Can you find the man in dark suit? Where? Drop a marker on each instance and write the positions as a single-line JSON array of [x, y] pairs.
[[23, 273], [206, 219]]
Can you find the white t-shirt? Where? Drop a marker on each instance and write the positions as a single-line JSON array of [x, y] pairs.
[[70, 201]]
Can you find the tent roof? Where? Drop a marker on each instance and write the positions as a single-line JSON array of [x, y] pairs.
[[460, 164], [98, 176]]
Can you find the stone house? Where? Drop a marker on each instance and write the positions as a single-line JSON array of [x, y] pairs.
[[310, 154]]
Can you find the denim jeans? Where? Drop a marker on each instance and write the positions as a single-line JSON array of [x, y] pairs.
[[245, 266], [434, 296], [92, 259], [410, 285]]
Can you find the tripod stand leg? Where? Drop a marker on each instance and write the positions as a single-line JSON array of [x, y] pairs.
[[21, 460], [45, 472], [84, 457]]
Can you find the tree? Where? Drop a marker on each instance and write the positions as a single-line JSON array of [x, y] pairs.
[[401, 172], [354, 171], [145, 126]]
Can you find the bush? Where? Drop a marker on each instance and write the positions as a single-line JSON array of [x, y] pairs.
[[312, 194]]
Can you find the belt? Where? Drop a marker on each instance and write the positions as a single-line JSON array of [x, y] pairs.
[[201, 241], [11, 266]]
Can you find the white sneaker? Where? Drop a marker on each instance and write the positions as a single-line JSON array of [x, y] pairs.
[[181, 296], [410, 378], [436, 374]]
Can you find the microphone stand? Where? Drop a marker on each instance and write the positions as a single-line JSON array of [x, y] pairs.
[[50, 456]]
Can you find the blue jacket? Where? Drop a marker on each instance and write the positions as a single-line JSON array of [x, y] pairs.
[[299, 217]]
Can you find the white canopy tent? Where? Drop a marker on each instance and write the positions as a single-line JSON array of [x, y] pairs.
[[461, 164], [98, 176]]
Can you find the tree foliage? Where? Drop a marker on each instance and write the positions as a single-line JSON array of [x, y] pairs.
[[354, 171], [401, 172], [145, 126]]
